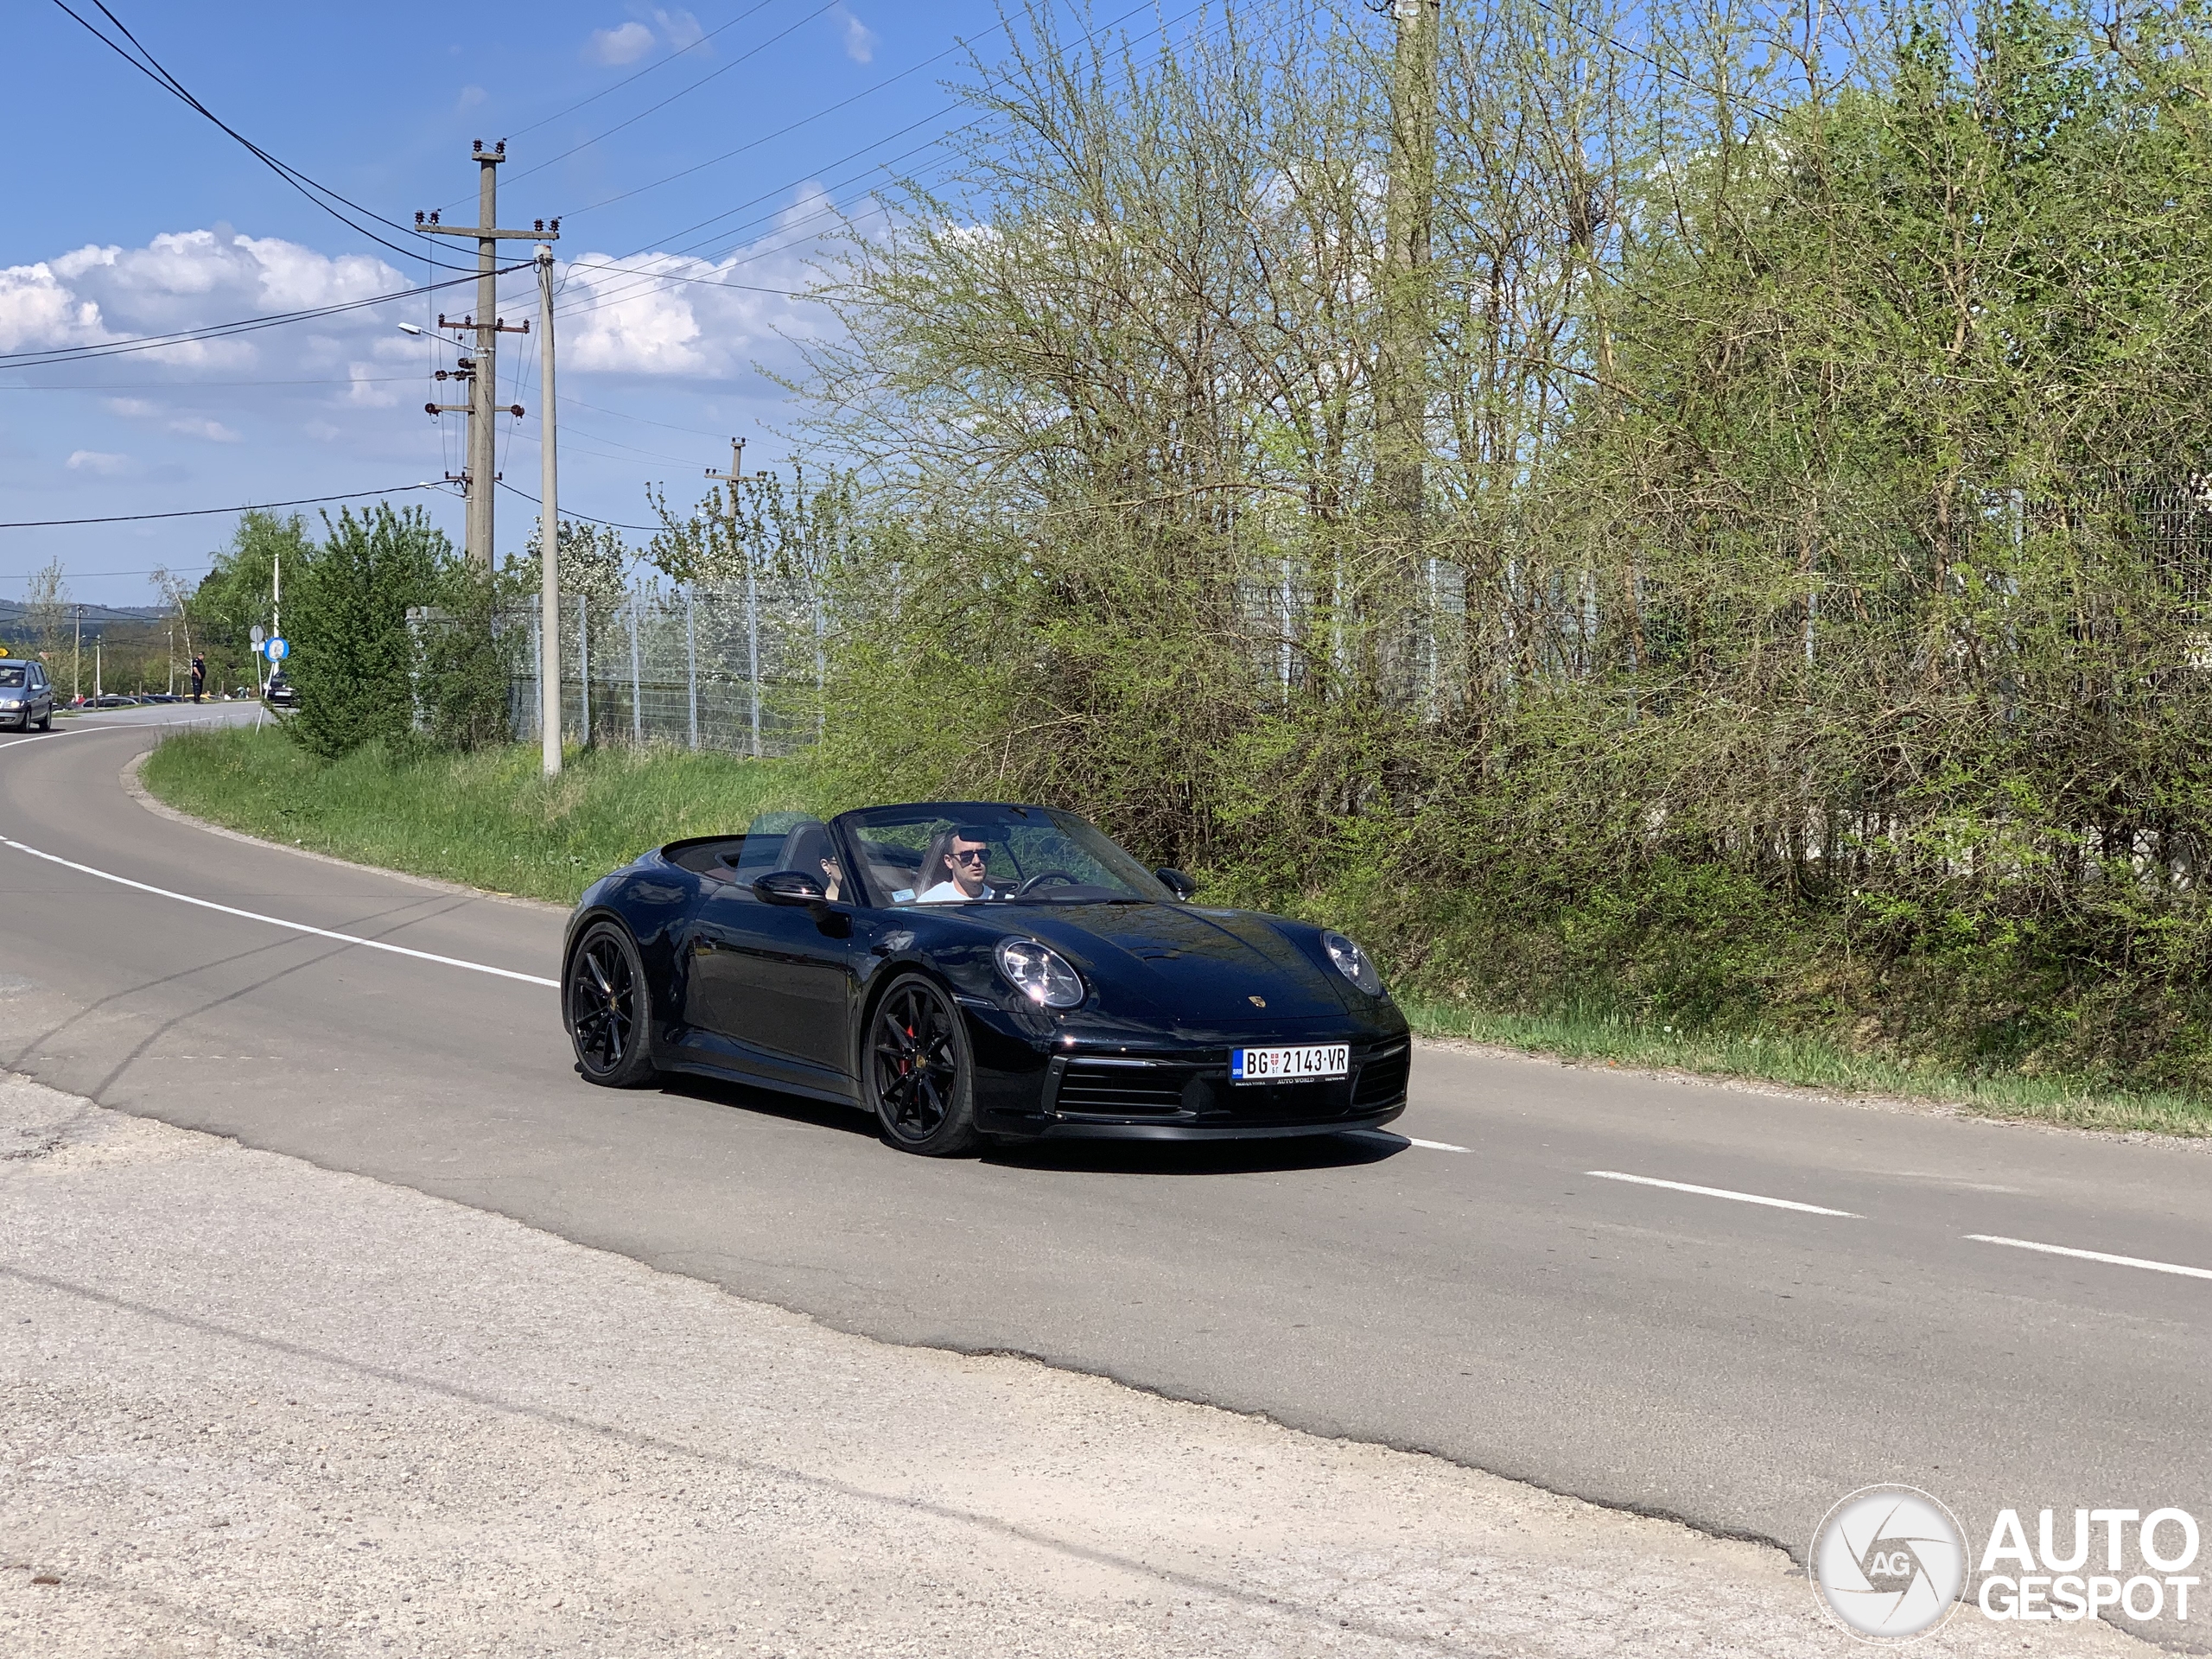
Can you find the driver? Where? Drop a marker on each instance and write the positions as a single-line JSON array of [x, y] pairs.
[[967, 854]]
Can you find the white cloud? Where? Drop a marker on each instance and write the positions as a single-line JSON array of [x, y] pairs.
[[470, 98], [860, 39], [365, 391], [37, 310], [681, 27], [198, 426], [181, 281], [670, 315], [136, 409], [97, 461], [624, 45]]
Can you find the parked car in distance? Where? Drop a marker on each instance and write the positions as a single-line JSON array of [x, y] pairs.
[[161, 697], [280, 693], [110, 700], [26, 695]]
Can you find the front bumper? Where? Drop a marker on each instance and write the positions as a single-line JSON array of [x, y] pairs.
[[1185, 1094], [1100, 1129]]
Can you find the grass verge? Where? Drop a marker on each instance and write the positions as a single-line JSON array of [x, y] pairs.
[[490, 820], [1601, 1038]]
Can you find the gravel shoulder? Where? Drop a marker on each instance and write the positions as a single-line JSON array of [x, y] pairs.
[[250, 1405]]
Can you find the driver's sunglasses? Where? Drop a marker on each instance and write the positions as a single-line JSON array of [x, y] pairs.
[[976, 855]]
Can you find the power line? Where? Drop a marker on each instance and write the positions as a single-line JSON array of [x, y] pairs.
[[632, 270], [826, 6], [150, 67], [197, 385], [646, 282], [569, 512], [765, 137], [224, 330], [1090, 36], [620, 414], [1611, 38], [87, 575], [661, 63], [209, 512]]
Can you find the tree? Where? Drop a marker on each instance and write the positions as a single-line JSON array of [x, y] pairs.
[[1804, 417], [236, 592], [353, 658], [46, 612]]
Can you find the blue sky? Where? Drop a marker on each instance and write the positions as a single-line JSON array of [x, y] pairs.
[[130, 214]]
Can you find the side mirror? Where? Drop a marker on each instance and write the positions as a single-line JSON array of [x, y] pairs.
[[788, 888], [1180, 885]]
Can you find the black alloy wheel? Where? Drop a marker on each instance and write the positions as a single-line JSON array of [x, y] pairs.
[[919, 1076], [609, 1009]]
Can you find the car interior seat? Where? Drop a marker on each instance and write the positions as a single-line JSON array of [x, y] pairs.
[[804, 848]]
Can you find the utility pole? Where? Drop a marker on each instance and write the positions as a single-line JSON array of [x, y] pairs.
[[548, 530], [481, 371], [276, 607], [77, 661], [751, 598]]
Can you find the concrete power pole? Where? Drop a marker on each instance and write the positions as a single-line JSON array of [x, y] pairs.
[[549, 530], [481, 370]]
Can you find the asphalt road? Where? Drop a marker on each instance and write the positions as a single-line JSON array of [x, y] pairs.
[[1736, 1364]]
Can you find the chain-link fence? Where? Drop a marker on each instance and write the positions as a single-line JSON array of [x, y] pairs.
[[737, 669]]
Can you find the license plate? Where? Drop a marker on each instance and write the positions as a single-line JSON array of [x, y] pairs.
[[1289, 1064]]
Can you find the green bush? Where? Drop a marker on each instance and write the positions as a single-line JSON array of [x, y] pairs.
[[353, 654]]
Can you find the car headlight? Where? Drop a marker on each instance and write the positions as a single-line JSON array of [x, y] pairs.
[[1351, 962], [1040, 973], [11, 703]]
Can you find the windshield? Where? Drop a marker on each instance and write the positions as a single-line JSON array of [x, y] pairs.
[[941, 855], [12, 676]]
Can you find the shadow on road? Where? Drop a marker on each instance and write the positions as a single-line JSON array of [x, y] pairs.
[[1201, 1157], [767, 1103], [1076, 1157]]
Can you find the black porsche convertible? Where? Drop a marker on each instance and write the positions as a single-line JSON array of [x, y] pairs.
[[968, 970]]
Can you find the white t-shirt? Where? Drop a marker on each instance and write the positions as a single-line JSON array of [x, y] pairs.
[[947, 892]]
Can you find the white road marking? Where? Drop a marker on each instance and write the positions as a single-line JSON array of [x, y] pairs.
[[1434, 1145], [1723, 1193], [279, 921], [2093, 1256], [255, 915]]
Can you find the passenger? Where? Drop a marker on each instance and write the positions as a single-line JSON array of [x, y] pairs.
[[963, 855], [833, 876]]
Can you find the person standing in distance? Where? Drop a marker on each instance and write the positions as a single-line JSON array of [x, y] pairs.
[[198, 677]]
